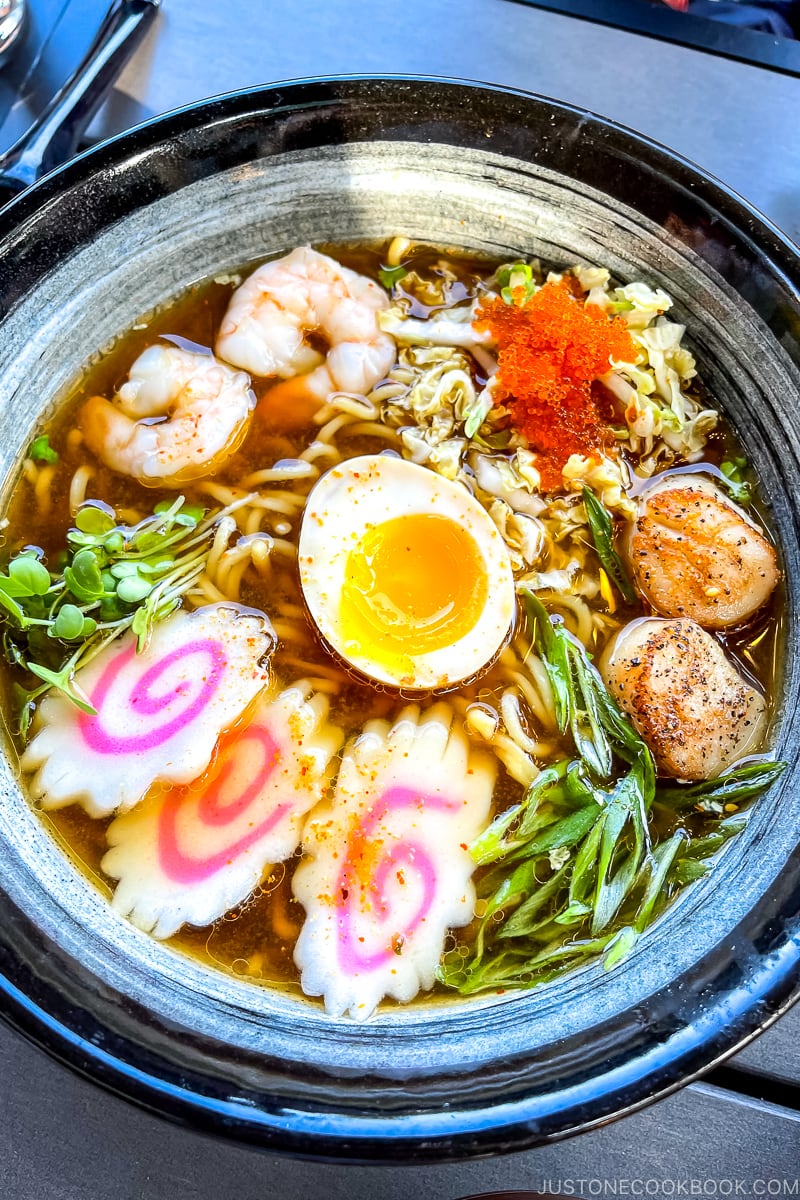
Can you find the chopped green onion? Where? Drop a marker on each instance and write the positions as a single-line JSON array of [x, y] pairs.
[[735, 480], [389, 276], [602, 530], [40, 450], [571, 873], [736, 784], [516, 283]]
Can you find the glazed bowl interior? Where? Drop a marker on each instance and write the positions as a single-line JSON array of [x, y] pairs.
[[198, 194]]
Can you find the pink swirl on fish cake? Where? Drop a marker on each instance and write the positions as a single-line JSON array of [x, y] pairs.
[[413, 855], [144, 701], [215, 812]]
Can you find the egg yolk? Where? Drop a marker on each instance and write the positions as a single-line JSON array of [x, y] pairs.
[[413, 584]]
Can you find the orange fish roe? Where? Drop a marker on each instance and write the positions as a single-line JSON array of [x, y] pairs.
[[550, 351]]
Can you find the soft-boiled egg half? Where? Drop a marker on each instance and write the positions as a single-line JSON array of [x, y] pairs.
[[404, 573]]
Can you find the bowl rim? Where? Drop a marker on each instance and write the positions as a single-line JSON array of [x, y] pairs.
[[521, 1121], [104, 153]]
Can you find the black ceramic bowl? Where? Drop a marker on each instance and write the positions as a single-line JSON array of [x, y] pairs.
[[195, 193]]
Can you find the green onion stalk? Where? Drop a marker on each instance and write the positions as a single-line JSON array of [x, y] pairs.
[[573, 871]]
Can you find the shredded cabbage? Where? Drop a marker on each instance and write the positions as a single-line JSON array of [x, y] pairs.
[[606, 478], [453, 328], [524, 535], [513, 479], [454, 427]]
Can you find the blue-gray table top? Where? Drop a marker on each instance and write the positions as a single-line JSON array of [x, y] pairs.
[[60, 1137], [737, 121]]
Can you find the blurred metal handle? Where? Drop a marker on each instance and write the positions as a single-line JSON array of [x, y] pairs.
[[53, 138]]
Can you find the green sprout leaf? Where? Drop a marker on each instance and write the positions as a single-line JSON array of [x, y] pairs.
[[62, 680], [29, 576], [68, 623], [109, 578], [83, 578], [133, 589], [95, 520], [9, 604]]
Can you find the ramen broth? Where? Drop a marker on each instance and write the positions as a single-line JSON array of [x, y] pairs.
[[255, 940]]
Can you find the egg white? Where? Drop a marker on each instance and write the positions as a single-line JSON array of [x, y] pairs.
[[364, 492]]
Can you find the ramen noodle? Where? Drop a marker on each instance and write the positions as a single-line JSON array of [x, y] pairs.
[[383, 622]]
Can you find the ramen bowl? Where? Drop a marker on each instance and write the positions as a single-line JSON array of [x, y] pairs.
[[194, 194]]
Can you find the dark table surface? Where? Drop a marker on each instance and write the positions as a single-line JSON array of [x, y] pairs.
[[735, 1133]]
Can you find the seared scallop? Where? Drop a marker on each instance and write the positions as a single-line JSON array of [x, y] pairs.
[[694, 554], [684, 695]]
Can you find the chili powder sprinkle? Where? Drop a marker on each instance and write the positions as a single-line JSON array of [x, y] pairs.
[[550, 351]]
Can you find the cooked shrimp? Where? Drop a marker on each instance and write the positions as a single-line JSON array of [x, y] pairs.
[[687, 699], [273, 314], [205, 409], [695, 554]]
